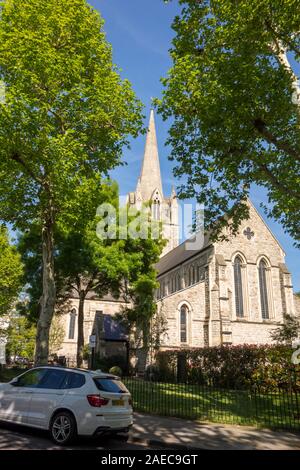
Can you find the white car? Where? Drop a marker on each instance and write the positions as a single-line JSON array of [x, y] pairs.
[[67, 402]]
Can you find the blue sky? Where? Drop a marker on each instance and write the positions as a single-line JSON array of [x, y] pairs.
[[140, 34]]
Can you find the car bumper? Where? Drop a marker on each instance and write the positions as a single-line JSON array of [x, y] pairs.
[[102, 424]]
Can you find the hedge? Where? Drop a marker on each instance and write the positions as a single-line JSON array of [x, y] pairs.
[[267, 367]]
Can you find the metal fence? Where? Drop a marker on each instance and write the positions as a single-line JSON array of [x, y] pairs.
[[275, 410]]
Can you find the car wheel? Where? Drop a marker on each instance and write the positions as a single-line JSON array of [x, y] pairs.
[[63, 428]]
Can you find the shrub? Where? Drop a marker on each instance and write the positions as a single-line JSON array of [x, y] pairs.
[[115, 370], [105, 363], [86, 352], [268, 367], [152, 372]]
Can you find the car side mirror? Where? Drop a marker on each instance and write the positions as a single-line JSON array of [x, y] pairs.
[[14, 382]]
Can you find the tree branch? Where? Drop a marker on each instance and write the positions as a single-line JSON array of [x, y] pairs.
[[17, 158], [275, 182], [260, 126], [61, 121], [277, 37]]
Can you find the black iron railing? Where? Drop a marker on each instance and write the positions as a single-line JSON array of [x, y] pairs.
[[275, 410]]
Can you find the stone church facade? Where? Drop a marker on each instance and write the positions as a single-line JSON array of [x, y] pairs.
[[231, 292]]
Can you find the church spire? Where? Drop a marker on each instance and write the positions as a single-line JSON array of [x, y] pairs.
[[150, 178]]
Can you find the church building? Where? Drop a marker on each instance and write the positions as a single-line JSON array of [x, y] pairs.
[[229, 292]]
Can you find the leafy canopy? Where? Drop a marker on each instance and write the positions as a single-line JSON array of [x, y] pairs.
[[288, 332], [11, 271], [66, 115], [20, 338], [232, 95]]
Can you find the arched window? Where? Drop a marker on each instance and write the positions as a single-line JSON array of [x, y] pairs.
[[183, 323], [238, 287], [262, 275], [156, 209], [72, 324]]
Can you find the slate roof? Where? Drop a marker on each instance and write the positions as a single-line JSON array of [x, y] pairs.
[[180, 254]]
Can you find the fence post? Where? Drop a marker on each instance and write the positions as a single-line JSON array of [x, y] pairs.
[[181, 368]]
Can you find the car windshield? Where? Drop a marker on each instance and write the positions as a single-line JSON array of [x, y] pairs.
[[108, 384]]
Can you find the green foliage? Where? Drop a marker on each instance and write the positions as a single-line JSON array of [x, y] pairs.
[[11, 271], [153, 372], [20, 338], [288, 332], [238, 367], [86, 263], [66, 117], [67, 113], [116, 370], [86, 352], [140, 285], [106, 363], [232, 95]]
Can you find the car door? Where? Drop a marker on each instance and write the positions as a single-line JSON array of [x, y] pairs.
[[46, 397], [16, 396]]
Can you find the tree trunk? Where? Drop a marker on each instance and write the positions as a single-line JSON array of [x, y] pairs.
[[48, 299], [80, 337]]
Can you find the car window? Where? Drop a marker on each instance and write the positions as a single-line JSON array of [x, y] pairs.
[[53, 379], [73, 380], [77, 381], [107, 384], [31, 378]]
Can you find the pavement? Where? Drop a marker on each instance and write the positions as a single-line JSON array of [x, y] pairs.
[[185, 434], [157, 433], [16, 437]]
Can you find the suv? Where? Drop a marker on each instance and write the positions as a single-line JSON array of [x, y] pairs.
[[67, 402]]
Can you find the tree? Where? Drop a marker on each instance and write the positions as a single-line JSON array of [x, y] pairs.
[[65, 120], [234, 99], [10, 272], [141, 318], [20, 338], [88, 264], [288, 332]]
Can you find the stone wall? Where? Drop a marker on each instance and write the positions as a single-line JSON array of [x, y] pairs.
[[246, 332], [194, 298], [253, 242]]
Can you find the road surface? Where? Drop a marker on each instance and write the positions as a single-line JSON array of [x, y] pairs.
[[14, 437]]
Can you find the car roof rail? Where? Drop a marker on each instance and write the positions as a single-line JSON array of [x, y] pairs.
[[48, 365]]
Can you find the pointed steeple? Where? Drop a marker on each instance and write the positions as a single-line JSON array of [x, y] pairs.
[[150, 178]]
